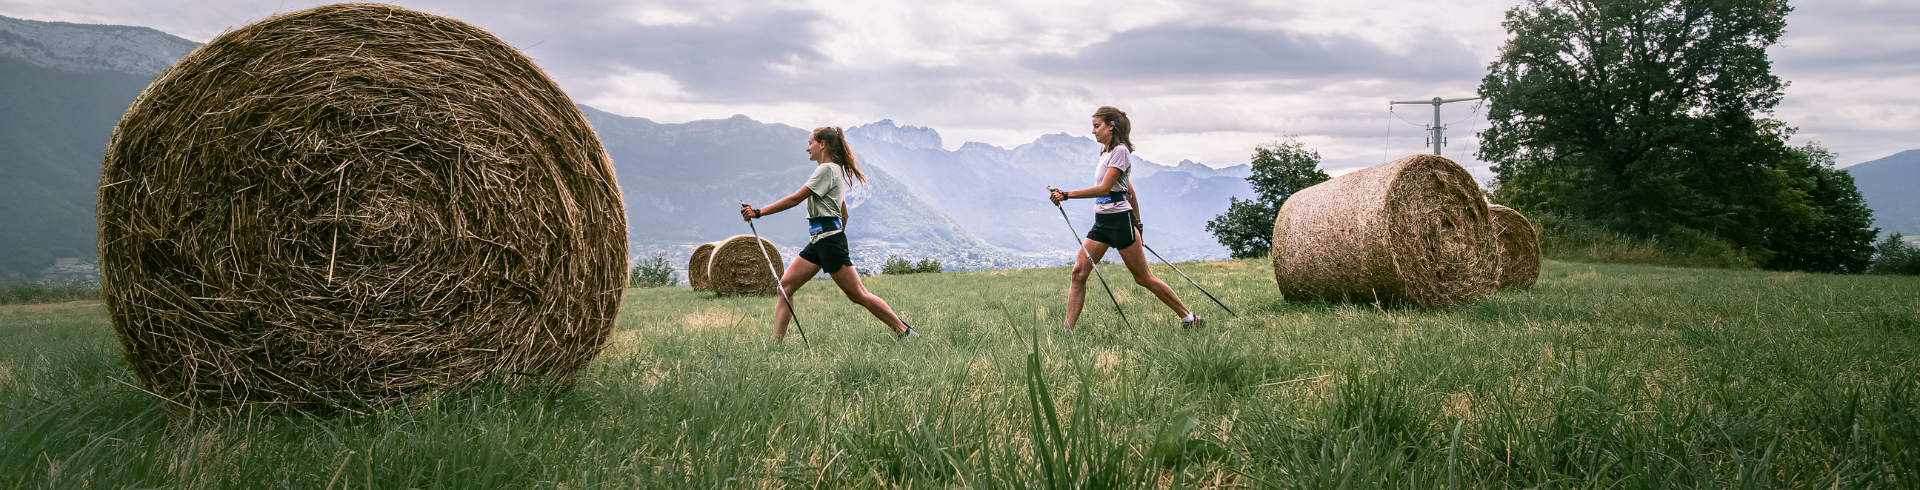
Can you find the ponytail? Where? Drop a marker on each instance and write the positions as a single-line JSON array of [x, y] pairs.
[[839, 151]]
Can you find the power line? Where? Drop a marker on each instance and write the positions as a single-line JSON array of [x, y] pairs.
[[1438, 139]]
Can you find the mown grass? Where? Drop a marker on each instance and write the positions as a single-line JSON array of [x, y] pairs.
[[1600, 376]]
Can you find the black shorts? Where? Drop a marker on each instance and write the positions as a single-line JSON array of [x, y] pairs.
[[829, 253], [1114, 229]]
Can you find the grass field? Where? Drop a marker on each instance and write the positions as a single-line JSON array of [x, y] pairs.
[[1600, 376]]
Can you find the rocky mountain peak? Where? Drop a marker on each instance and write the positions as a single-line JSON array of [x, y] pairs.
[[914, 137]]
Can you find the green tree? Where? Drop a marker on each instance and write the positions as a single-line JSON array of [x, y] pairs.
[[1645, 116], [927, 266], [1280, 169], [1840, 238], [1895, 256], [653, 272]]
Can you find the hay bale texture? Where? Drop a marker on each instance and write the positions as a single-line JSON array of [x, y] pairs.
[[1518, 247], [697, 266], [356, 204], [1413, 231], [738, 267]]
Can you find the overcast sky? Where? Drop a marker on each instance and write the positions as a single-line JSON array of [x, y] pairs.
[[1202, 80]]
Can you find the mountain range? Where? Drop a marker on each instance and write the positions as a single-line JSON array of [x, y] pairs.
[[63, 88], [1891, 187], [1000, 194]]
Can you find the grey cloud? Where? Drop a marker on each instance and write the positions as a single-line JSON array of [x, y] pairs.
[[1849, 40], [1161, 52], [732, 60]]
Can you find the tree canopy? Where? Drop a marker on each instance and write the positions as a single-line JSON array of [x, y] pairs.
[[1648, 117], [1279, 170]]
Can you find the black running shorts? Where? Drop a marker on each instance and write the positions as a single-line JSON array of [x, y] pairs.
[[1113, 229], [829, 253]]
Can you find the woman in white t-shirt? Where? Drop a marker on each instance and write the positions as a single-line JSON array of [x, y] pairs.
[[826, 196], [1116, 221]]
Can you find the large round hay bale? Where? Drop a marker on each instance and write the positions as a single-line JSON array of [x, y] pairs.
[[1413, 231], [1518, 247], [357, 204], [697, 266], [738, 266]]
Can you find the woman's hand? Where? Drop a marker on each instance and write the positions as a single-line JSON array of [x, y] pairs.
[[1056, 195], [748, 213]]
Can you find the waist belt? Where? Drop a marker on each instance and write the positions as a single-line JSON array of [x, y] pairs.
[[822, 225], [1111, 197]]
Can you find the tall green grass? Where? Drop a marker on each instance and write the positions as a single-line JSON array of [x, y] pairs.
[[38, 293], [1600, 376]]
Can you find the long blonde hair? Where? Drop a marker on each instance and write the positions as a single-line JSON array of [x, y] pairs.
[[839, 151]]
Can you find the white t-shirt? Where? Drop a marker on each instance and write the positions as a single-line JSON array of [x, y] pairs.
[[828, 184], [1118, 158]]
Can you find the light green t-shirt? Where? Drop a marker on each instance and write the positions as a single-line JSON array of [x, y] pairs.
[[827, 182]]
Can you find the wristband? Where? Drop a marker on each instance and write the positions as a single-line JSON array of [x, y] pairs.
[[756, 212]]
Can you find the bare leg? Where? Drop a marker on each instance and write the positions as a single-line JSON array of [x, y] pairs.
[[797, 275], [1077, 290], [849, 282], [1136, 260]]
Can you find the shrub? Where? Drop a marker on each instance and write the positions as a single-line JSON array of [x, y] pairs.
[[653, 272], [1564, 237], [1895, 256], [897, 265]]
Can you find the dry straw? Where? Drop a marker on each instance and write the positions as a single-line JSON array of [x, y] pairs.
[[1414, 231], [1519, 247], [354, 205], [697, 266], [738, 267]]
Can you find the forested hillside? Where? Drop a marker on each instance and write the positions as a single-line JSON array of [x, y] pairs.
[[62, 89]]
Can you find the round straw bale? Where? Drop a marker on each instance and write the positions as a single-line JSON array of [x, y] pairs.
[[738, 266], [1413, 231], [356, 205], [697, 266], [1519, 247]]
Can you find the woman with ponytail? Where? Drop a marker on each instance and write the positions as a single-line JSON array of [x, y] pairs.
[[826, 196], [1116, 221]]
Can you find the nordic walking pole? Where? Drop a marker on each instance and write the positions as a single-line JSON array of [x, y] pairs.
[[1091, 262], [791, 311], [1196, 284]]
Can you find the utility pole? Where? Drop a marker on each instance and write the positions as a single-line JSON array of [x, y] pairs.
[[1438, 138]]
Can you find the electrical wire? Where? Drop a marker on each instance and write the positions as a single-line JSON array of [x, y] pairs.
[[1472, 128], [1402, 119]]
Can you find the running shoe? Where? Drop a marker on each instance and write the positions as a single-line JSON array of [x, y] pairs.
[[1196, 323], [910, 334]]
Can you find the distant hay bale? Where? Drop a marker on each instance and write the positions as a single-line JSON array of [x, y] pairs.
[[697, 266], [1411, 231], [356, 205], [1518, 247], [738, 267]]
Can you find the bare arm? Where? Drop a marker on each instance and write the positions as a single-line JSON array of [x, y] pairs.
[[1103, 188], [783, 204]]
